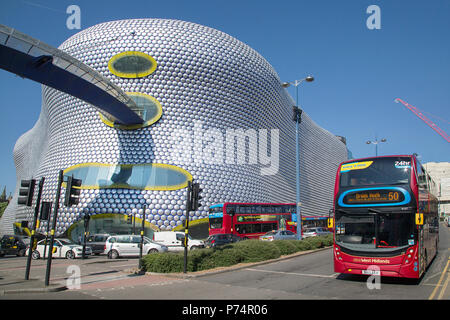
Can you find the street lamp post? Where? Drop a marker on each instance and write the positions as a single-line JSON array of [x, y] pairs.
[[297, 117], [376, 142]]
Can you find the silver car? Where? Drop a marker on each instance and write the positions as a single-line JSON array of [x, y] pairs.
[[129, 245], [313, 232], [278, 235]]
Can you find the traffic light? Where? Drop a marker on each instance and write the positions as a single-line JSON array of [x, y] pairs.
[[196, 197], [297, 114], [130, 219], [26, 192], [72, 191], [46, 207]]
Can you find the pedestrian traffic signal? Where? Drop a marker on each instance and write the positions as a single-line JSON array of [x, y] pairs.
[[26, 192], [72, 191], [196, 197]]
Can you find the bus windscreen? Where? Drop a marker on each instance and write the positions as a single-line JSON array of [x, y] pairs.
[[377, 171]]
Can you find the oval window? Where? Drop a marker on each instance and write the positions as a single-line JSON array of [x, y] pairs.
[[146, 176], [132, 64], [148, 108]]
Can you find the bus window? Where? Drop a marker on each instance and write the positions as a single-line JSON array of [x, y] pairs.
[[215, 223], [422, 179], [231, 209]]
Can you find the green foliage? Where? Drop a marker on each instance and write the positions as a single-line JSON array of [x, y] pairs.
[[222, 257], [286, 246], [231, 254], [163, 262], [315, 242], [256, 250]]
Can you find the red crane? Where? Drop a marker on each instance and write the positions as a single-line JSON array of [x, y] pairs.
[[425, 119]]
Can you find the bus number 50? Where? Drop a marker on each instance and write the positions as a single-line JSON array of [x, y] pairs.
[[393, 196]]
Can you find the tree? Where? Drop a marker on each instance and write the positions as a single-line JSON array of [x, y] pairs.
[[3, 196]]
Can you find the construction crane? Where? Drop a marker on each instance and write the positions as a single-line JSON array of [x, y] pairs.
[[418, 113]]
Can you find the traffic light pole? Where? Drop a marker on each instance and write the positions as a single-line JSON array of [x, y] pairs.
[[142, 238], [186, 229], [87, 217], [35, 226], [52, 232]]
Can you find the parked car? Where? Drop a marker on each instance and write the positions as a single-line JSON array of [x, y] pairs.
[[129, 245], [13, 245], [62, 248], [221, 239], [313, 232], [278, 235], [97, 242], [174, 240]]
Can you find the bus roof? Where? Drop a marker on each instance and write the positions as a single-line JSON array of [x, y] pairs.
[[250, 203], [387, 156]]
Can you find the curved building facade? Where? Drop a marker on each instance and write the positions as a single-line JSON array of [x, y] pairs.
[[214, 111]]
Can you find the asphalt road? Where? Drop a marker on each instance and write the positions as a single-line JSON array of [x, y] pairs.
[[308, 276]]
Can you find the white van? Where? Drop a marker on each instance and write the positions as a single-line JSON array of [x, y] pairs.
[[129, 245], [174, 240]]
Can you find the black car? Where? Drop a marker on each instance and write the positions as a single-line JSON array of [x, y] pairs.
[[221, 239], [13, 245], [97, 242]]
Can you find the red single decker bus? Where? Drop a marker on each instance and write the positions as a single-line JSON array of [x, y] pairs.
[[385, 217], [251, 220]]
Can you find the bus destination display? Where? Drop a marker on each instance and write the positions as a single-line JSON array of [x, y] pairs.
[[373, 196]]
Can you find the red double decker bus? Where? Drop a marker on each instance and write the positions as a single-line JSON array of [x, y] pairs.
[[385, 217], [251, 220]]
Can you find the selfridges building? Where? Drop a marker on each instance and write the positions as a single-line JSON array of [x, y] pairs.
[[215, 111]]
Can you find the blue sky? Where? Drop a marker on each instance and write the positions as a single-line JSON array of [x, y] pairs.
[[358, 72]]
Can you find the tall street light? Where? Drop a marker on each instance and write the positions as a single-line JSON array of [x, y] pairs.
[[297, 117], [376, 142]]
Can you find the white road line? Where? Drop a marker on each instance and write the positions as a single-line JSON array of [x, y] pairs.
[[296, 274]]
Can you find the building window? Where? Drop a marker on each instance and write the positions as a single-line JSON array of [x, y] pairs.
[[148, 108], [132, 64], [147, 176]]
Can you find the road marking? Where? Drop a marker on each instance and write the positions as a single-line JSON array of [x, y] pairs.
[[444, 288], [296, 274], [438, 285]]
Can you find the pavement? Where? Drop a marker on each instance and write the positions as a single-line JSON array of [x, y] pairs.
[[126, 276], [11, 284], [17, 285]]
